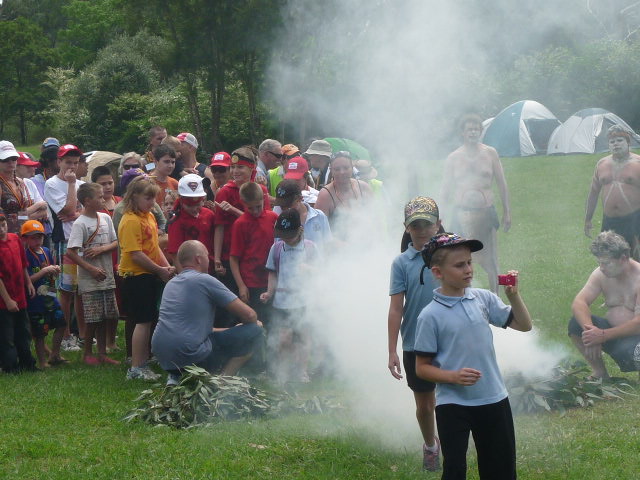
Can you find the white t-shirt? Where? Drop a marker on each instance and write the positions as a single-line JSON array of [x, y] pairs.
[[82, 229], [55, 194], [33, 190]]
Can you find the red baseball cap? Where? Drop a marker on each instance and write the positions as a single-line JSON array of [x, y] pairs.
[[23, 159], [221, 159], [67, 149], [296, 168]]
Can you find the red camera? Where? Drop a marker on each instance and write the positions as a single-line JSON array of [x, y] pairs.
[[508, 280]]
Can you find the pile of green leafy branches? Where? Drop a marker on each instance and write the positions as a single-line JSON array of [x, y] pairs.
[[569, 387], [202, 399]]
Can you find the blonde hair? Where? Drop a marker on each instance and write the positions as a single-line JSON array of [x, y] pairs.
[[251, 192], [139, 186]]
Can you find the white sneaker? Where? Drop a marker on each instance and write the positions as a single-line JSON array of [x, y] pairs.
[[142, 373], [70, 344]]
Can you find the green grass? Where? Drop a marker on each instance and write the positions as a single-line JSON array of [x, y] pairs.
[[66, 423]]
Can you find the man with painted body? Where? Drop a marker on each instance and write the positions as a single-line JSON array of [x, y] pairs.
[[617, 176], [617, 279], [467, 195]]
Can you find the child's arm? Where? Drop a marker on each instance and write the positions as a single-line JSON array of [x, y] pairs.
[[396, 302], [272, 284], [11, 304], [218, 237], [143, 261], [243, 291], [98, 274], [521, 319], [426, 371], [27, 283], [93, 252]]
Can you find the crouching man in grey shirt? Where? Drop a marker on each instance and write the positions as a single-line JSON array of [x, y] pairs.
[[185, 334]]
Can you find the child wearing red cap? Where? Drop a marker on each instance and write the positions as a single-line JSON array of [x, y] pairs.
[[60, 194], [15, 339]]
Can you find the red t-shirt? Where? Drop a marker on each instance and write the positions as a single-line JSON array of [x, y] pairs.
[[231, 193], [12, 266], [185, 227], [251, 240]]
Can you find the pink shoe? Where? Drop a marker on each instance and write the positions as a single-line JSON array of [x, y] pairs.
[[431, 460], [91, 360], [109, 360]]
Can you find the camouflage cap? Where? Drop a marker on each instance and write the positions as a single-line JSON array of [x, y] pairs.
[[421, 208]]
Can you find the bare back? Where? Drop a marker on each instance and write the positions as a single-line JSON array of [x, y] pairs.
[[620, 184]]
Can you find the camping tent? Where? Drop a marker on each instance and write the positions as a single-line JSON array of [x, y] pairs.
[[356, 150], [107, 159], [521, 129], [586, 132]]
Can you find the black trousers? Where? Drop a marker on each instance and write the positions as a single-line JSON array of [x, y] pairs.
[[15, 342], [493, 433]]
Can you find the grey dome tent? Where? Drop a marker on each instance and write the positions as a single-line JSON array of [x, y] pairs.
[[521, 129], [586, 132]]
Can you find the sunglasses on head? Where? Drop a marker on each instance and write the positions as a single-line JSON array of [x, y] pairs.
[[128, 167], [341, 153]]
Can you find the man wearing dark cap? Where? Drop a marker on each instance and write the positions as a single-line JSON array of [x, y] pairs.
[[617, 176]]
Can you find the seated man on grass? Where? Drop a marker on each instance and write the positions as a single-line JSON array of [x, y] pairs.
[[618, 280], [185, 334]]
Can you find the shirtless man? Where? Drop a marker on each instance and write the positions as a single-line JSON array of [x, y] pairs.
[[618, 177], [467, 195], [618, 279]]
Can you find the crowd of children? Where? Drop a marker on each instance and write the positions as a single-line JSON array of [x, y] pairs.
[[111, 257]]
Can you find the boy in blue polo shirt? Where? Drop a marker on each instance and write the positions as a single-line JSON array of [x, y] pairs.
[[454, 348], [408, 296]]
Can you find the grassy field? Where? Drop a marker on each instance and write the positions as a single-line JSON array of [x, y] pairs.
[[66, 423]]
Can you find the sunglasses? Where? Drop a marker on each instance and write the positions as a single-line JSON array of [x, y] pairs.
[[341, 153], [219, 169], [128, 167], [9, 159], [277, 155]]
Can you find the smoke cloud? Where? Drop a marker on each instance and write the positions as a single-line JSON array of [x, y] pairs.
[[395, 76]]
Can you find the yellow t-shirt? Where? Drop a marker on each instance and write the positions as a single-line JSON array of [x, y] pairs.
[[137, 232]]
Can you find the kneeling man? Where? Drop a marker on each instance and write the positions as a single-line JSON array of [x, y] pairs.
[[185, 334], [618, 279]]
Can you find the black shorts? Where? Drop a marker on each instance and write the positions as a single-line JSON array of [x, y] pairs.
[[41, 323], [141, 297], [620, 349], [415, 383]]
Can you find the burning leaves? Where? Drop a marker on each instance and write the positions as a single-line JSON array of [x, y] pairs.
[[569, 387], [202, 399]]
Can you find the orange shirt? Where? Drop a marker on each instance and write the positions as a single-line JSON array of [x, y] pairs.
[[137, 232], [168, 184]]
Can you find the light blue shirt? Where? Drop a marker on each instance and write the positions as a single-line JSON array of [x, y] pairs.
[[456, 330], [316, 226], [293, 272], [405, 277]]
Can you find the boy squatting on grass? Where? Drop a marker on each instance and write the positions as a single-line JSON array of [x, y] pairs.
[[408, 297], [91, 242], [454, 348]]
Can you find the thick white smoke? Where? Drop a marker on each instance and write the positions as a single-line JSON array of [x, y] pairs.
[[394, 75]]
